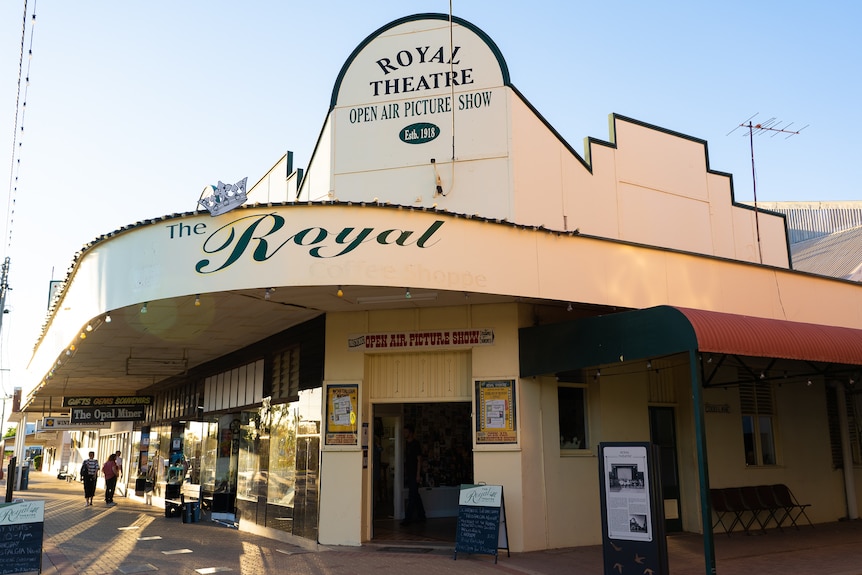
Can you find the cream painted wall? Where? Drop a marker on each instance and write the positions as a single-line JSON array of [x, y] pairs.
[[117, 272], [689, 478], [318, 185], [801, 434], [651, 177], [341, 496], [570, 501], [492, 464]]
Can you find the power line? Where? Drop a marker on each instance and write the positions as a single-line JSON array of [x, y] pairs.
[[14, 173], [20, 111]]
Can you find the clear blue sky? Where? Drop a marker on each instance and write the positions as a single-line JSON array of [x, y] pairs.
[[134, 107]]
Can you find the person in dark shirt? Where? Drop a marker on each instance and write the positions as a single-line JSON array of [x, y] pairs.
[[89, 474], [412, 470]]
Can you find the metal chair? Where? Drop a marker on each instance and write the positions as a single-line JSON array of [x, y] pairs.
[[752, 503], [733, 498], [719, 507], [793, 510], [770, 504]]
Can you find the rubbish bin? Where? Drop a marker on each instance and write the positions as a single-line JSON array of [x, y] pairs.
[[172, 495], [140, 486], [191, 511], [24, 472]]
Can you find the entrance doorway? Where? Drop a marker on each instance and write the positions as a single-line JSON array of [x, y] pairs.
[[662, 423], [444, 433]]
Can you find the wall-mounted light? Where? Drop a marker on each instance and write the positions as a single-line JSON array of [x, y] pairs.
[[762, 375], [83, 335], [268, 293], [340, 292], [569, 307], [107, 318], [407, 294], [144, 308], [198, 300], [649, 364], [89, 327], [598, 374], [809, 383]]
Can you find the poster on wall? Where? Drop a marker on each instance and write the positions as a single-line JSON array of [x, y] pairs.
[[342, 414], [495, 406]]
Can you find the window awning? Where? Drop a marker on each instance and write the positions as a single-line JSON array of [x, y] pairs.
[[665, 330]]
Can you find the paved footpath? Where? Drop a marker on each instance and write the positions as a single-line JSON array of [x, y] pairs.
[[131, 538]]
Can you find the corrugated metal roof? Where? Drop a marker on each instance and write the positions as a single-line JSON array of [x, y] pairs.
[[836, 255], [808, 220], [761, 337]]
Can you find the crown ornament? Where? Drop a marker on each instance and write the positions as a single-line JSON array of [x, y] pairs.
[[225, 197]]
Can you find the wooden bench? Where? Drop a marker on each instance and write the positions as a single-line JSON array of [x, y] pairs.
[[756, 504], [178, 496]]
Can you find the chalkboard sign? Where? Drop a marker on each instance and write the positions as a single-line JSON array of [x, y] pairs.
[[481, 521], [21, 528]]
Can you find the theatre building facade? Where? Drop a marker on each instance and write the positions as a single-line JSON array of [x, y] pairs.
[[448, 261]]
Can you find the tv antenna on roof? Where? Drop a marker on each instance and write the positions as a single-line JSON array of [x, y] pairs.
[[773, 127]]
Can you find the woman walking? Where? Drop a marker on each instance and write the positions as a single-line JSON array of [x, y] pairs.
[[110, 471]]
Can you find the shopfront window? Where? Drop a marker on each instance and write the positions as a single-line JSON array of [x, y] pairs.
[[253, 465], [279, 452], [572, 404]]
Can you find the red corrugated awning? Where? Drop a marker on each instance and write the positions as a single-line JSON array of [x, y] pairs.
[[666, 330], [759, 337]]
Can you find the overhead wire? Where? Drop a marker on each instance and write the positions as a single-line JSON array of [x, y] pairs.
[[14, 174], [20, 113]]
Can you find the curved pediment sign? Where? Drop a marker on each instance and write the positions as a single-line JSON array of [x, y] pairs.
[[420, 91], [420, 56]]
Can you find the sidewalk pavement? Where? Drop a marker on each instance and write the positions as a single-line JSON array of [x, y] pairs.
[[131, 538]]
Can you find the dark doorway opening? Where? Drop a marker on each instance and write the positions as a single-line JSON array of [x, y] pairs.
[[663, 435], [444, 432]]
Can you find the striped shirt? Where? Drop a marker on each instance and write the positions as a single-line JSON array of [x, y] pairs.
[[92, 467]]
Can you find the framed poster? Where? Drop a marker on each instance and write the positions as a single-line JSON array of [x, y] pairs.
[[342, 414], [495, 410]]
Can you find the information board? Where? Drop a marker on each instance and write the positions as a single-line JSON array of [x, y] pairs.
[[22, 526], [481, 521], [633, 534]]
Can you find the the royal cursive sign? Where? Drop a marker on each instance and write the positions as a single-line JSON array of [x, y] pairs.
[[262, 236]]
